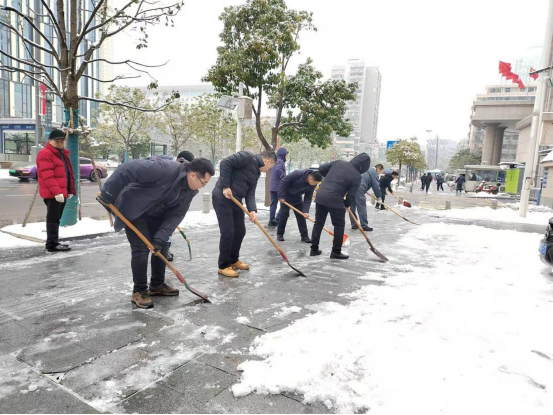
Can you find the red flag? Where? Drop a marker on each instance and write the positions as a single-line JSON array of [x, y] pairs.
[[535, 76], [504, 68]]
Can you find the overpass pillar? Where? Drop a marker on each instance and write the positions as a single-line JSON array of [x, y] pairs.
[[489, 143], [498, 145]]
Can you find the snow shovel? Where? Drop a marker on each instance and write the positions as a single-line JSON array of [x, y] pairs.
[[187, 241], [389, 208], [346, 240], [241, 206], [378, 254], [150, 246], [402, 201]]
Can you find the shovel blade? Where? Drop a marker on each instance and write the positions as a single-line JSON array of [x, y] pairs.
[[379, 255], [346, 241]]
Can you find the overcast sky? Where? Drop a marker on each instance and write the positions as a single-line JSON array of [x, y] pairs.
[[434, 55]]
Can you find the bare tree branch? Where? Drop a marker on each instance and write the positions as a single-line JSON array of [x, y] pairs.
[[117, 78], [36, 45], [127, 62], [54, 21], [89, 22], [122, 104]]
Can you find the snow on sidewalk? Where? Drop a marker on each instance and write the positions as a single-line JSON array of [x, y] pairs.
[[469, 332], [84, 227], [534, 217], [8, 241]]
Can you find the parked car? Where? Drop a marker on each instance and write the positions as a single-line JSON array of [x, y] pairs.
[[25, 171], [546, 246]]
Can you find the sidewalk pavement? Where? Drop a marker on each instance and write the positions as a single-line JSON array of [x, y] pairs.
[[72, 343]]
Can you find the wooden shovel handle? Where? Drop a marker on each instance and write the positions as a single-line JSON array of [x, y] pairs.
[[241, 206], [359, 226], [386, 206], [308, 217]]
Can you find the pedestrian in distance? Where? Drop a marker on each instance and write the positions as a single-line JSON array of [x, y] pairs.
[[336, 193], [423, 181], [460, 182], [369, 180], [386, 183], [428, 181], [298, 185], [56, 184], [238, 177], [439, 183], [277, 174], [154, 195]]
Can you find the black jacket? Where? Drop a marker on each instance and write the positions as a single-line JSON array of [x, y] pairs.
[[341, 178], [294, 185], [152, 187], [386, 182], [439, 180], [240, 172]]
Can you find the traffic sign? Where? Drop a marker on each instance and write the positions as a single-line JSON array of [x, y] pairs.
[[390, 144]]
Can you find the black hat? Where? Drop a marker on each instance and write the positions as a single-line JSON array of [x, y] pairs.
[[56, 134], [185, 155]]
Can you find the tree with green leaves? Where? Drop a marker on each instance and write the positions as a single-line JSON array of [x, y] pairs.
[[464, 157], [259, 39], [176, 121], [126, 129], [212, 125], [406, 153]]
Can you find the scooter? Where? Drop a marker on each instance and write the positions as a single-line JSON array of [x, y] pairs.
[[487, 188]]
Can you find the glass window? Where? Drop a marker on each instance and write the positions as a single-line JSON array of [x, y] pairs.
[[5, 45], [18, 142], [4, 98], [23, 101], [82, 160]]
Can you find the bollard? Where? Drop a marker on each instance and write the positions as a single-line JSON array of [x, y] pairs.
[[411, 188], [494, 204], [206, 202], [448, 205]]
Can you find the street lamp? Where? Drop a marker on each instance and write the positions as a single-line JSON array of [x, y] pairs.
[[243, 107]]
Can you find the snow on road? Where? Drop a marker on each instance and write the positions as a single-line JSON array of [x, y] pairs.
[[534, 217], [86, 226], [8, 241], [465, 328]]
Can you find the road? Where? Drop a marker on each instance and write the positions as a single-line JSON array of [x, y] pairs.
[[16, 195]]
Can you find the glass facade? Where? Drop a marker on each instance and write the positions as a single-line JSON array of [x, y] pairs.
[[23, 100], [4, 98], [18, 142]]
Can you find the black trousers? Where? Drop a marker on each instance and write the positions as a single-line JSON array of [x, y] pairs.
[[427, 187], [337, 216], [54, 211], [148, 226], [285, 213], [440, 186], [383, 197], [232, 227]]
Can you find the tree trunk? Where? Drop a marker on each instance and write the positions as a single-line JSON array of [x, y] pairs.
[[70, 211]]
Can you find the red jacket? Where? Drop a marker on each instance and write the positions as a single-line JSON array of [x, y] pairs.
[[51, 173]]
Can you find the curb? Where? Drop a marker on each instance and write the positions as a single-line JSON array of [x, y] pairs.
[[70, 238]]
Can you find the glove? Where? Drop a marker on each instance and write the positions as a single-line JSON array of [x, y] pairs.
[[346, 203], [158, 245], [69, 196], [59, 198]]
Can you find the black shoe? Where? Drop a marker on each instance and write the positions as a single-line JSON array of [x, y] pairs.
[[382, 207], [367, 228], [338, 255], [354, 227], [272, 224], [58, 248], [280, 238], [169, 256], [306, 239], [315, 252]]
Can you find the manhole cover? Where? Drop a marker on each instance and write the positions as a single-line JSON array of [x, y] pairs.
[[460, 222]]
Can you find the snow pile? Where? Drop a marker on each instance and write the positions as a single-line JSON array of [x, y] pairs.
[[462, 335], [499, 215], [243, 320], [531, 208], [8, 241], [198, 219], [84, 227], [487, 195]]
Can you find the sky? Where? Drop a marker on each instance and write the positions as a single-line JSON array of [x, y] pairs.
[[434, 55]]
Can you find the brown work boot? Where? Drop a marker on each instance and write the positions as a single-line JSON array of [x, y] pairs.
[[142, 300], [163, 289], [228, 272], [240, 265]]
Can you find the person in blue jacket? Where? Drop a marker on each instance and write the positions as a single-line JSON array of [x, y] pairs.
[[277, 174], [369, 180], [297, 184]]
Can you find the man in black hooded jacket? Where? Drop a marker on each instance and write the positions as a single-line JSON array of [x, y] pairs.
[[342, 179]]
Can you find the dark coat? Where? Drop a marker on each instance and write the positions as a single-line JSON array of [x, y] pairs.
[[278, 172], [428, 179], [460, 180], [439, 180], [386, 183], [293, 186], [150, 187], [240, 172], [341, 178], [51, 173]]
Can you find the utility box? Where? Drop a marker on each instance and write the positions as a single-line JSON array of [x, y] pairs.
[[245, 108]]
